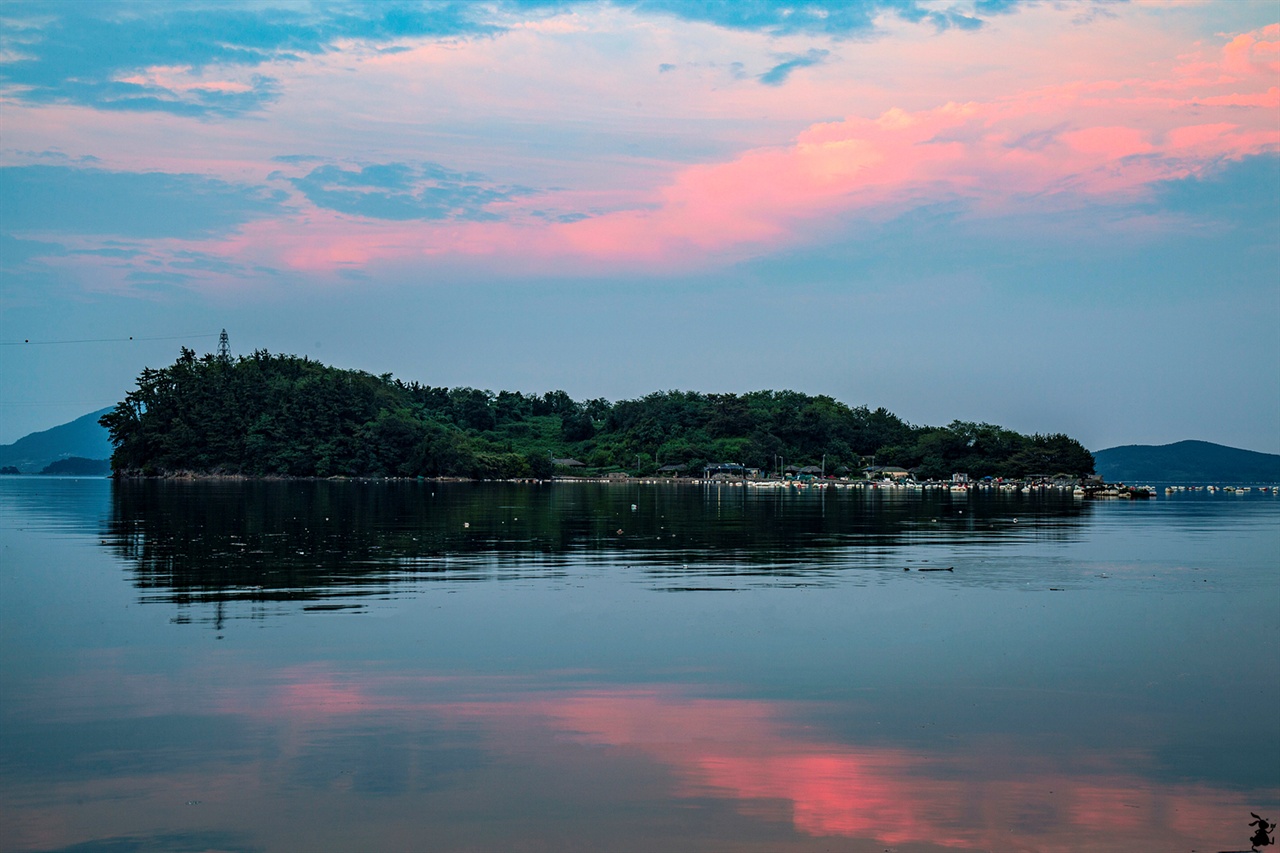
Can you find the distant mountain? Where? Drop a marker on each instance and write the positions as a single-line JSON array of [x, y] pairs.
[[1186, 462], [78, 466], [83, 437]]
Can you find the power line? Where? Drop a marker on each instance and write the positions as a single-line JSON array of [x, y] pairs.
[[29, 342]]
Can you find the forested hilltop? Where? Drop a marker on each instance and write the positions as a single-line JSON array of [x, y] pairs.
[[269, 414]]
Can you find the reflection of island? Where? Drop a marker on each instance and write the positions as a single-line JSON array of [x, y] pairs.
[[223, 541]]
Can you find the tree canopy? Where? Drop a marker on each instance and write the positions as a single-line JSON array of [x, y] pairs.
[[269, 414]]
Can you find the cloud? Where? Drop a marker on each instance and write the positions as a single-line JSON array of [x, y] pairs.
[[778, 74], [156, 58], [109, 252], [833, 18], [945, 19], [203, 262], [1244, 190], [191, 101], [147, 280], [1072, 144], [1096, 152], [995, 7], [15, 252], [829, 17], [53, 154], [296, 159], [1077, 145], [66, 200], [399, 191], [224, 59]]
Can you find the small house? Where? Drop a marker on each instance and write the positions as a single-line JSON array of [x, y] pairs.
[[885, 472], [724, 471]]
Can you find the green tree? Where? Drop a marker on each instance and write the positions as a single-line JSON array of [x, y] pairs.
[[268, 413]]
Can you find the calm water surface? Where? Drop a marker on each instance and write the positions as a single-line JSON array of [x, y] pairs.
[[419, 666]]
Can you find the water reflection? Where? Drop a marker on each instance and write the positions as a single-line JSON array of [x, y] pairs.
[[513, 681], [552, 762], [192, 542], [988, 795], [61, 504]]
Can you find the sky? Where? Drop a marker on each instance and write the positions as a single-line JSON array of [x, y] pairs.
[[1052, 216]]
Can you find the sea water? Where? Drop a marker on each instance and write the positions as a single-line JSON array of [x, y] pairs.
[[263, 666]]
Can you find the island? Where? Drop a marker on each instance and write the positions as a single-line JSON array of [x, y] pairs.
[[269, 414]]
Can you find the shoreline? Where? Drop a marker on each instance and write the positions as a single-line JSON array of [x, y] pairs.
[[1089, 491]]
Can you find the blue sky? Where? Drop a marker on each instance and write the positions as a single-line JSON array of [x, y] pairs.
[[1055, 217]]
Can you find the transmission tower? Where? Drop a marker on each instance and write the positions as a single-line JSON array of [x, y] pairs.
[[224, 347]]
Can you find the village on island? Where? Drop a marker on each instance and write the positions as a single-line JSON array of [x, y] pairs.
[[878, 477]]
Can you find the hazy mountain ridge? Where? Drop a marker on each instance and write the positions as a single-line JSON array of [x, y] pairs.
[[84, 437], [1186, 462]]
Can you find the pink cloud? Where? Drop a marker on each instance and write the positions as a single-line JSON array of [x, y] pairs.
[[1254, 54], [965, 150], [1109, 143], [771, 196], [1089, 137], [1269, 99]]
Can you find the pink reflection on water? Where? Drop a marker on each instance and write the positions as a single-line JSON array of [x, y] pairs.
[[756, 753], [753, 752], [762, 756]]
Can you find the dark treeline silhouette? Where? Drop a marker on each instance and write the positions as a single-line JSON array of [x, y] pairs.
[[269, 414]]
